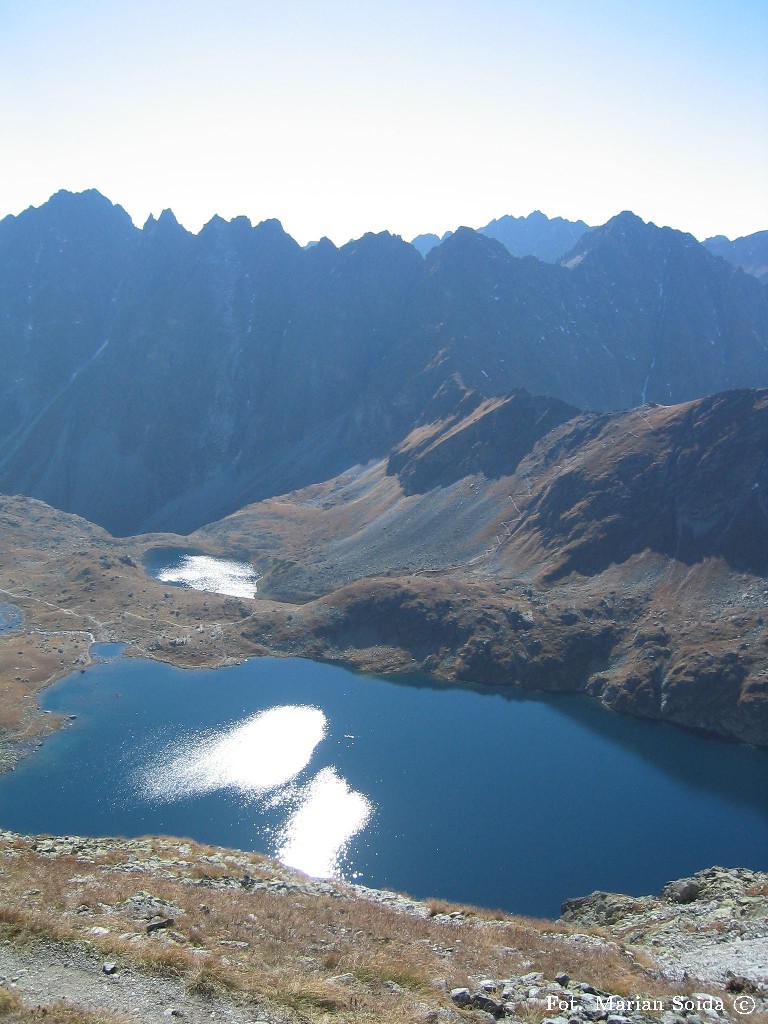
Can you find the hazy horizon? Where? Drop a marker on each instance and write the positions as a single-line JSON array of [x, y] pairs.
[[140, 224], [341, 118]]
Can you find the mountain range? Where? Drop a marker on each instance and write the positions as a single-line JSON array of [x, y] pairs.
[[750, 253], [548, 239], [156, 379]]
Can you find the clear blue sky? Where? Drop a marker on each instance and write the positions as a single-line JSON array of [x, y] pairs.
[[341, 117]]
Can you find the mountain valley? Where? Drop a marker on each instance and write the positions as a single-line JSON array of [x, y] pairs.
[[496, 471]]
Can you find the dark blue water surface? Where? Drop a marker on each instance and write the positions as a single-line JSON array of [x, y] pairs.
[[516, 802], [156, 559]]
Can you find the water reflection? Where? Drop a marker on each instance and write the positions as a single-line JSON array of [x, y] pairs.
[[214, 575], [260, 758], [318, 832], [263, 752], [475, 797]]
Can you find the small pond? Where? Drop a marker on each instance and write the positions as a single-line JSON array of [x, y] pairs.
[[186, 567], [11, 617]]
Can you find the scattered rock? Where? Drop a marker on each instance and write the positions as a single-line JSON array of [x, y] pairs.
[[344, 979], [685, 890], [155, 926], [495, 1007], [738, 983], [461, 996]]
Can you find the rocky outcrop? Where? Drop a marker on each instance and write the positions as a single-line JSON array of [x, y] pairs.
[[465, 632], [713, 925]]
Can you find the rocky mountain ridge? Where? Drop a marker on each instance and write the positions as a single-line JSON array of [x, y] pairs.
[[546, 238], [749, 252], [549, 239], [198, 373]]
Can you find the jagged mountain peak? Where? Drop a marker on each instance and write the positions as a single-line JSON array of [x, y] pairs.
[[626, 238], [373, 240], [271, 227], [381, 251], [88, 198], [546, 238], [467, 244], [166, 223], [75, 213], [216, 223], [623, 226], [324, 244], [425, 243], [750, 252]]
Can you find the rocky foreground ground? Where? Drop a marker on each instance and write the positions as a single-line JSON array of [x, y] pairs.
[[156, 928]]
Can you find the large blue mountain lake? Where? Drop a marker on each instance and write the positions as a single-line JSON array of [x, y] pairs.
[[514, 801]]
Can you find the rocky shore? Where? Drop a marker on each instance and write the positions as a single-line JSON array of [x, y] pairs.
[[713, 925]]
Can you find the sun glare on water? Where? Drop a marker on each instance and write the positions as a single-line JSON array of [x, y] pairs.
[[214, 575], [329, 814], [261, 759]]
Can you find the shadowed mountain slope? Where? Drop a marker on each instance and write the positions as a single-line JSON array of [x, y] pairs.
[[158, 379], [488, 437], [689, 482], [622, 557], [749, 252]]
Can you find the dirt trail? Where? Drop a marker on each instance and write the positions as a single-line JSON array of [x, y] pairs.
[[49, 972]]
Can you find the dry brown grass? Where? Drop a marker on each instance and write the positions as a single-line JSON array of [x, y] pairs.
[[13, 1011], [318, 956], [9, 1002]]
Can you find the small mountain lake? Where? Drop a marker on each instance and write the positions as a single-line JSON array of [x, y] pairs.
[[187, 567], [516, 801], [11, 617]]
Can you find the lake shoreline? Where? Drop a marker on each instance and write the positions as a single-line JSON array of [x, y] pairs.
[[655, 773]]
